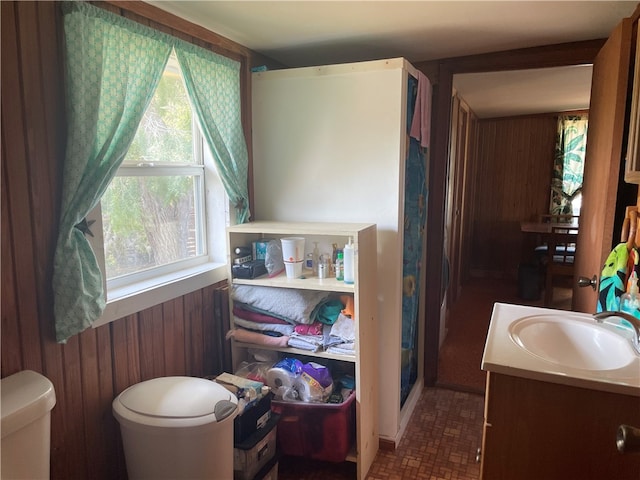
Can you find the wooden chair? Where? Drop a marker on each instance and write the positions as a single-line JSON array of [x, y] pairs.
[[563, 221], [561, 251]]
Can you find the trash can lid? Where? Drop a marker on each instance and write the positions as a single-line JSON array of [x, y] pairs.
[[179, 397]]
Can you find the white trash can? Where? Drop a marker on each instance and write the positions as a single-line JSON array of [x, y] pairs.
[[177, 428]]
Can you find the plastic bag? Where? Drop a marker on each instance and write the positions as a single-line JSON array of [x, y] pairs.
[[273, 259], [254, 371], [292, 380]]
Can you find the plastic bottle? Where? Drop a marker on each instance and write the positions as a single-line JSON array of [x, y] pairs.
[[349, 265], [339, 266], [630, 301]]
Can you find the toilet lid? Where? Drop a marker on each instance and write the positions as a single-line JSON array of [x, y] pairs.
[[179, 397], [24, 397]]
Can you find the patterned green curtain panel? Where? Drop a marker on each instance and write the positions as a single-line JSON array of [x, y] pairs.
[[219, 115], [568, 168], [113, 66]]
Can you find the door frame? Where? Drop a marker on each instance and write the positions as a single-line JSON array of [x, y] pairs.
[[441, 73]]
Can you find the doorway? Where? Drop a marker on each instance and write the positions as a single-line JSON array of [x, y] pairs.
[[443, 71]]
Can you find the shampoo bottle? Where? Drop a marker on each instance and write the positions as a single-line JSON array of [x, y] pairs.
[[349, 266]]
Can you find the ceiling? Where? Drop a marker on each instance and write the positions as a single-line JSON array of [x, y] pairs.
[[304, 33]]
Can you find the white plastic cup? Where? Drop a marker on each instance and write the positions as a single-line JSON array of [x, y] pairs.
[[292, 249], [293, 269]]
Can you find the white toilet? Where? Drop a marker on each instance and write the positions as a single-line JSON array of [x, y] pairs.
[[27, 399]]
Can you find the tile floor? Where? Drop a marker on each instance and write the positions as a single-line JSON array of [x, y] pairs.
[[440, 443]]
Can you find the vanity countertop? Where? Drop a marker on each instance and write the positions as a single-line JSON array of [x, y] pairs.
[[502, 354]]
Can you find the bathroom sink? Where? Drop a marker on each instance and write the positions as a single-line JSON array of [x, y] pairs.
[[572, 341]]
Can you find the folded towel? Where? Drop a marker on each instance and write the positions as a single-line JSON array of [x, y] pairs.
[[349, 309], [248, 314], [343, 349], [294, 306], [327, 311], [245, 336], [344, 328], [302, 344], [264, 327], [314, 329]]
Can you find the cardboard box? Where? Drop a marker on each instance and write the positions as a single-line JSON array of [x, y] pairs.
[[259, 248]]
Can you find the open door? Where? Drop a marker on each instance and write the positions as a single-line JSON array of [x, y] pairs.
[[602, 164]]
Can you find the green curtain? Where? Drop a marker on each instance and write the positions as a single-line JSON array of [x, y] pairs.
[[219, 114], [113, 66], [568, 167]]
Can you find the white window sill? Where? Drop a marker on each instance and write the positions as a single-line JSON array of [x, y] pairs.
[[140, 296]]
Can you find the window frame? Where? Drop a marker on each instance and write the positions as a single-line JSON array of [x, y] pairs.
[[139, 291]]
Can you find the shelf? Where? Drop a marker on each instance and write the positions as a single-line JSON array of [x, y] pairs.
[[310, 282], [300, 228], [298, 351], [352, 456]]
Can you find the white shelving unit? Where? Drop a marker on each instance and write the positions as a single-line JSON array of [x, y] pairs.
[[365, 361]]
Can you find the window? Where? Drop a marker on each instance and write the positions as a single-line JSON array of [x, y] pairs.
[[163, 217], [568, 168]]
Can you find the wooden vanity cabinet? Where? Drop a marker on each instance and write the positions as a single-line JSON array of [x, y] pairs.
[[540, 430]]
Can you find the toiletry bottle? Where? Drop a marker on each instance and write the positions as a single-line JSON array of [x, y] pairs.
[[334, 257], [349, 265], [630, 301], [316, 257], [339, 266]]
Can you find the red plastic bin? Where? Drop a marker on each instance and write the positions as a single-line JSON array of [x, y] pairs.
[[321, 431]]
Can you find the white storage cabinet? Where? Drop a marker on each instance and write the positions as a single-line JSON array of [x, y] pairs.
[[330, 145]]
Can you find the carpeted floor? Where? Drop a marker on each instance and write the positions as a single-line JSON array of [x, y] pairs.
[[461, 352]]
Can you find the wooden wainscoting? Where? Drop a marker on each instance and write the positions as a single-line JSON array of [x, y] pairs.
[[184, 336]]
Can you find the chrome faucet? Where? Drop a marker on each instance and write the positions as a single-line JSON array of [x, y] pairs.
[[635, 323]]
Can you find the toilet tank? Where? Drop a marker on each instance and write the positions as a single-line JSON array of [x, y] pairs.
[[26, 402]]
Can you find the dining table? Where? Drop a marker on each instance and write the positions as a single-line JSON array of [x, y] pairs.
[[536, 234], [545, 227]]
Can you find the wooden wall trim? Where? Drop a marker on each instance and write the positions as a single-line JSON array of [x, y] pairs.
[[219, 43], [558, 55], [437, 172]]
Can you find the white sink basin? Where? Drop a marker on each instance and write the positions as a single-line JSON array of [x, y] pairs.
[[573, 342]]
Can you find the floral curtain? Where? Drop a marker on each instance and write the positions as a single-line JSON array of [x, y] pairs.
[[113, 66], [568, 167]]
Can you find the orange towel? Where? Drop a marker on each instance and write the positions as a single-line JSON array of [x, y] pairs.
[[348, 309]]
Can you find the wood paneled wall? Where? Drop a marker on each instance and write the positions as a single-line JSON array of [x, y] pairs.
[[180, 337], [512, 183]]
